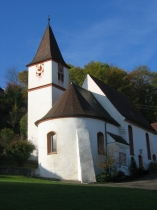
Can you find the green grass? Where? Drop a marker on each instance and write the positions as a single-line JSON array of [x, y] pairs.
[[23, 193]]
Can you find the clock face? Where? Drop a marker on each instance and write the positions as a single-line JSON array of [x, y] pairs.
[[39, 69]]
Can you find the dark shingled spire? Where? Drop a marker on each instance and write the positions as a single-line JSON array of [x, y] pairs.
[[78, 102], [48, 49]]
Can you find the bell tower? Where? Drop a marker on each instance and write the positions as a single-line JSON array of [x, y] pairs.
[[48, 77]]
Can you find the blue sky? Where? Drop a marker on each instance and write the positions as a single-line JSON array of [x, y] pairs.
[[120, 32]]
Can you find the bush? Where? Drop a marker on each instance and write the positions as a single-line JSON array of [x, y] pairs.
[[20, 150], [133, 167], [104, 177], [153, 167]]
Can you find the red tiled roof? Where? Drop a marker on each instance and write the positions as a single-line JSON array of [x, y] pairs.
[[78, 102], [48, 49], [126, 108]]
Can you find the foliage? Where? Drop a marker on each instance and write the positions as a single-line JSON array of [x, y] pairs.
[[104, 177], [153, 167], [144, 91], [23, 126], [11, 75], [12, 107], [107, 159], [133, 167], [20, 150], [77, 75], [23, 78], [6, 135]]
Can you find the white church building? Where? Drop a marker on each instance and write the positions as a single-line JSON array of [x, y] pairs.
[[73, 126]]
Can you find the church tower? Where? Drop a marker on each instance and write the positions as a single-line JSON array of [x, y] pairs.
[[48, 77]]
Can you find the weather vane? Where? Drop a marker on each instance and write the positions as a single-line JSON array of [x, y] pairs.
[[48, 19]]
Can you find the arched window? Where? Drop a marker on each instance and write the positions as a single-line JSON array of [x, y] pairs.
[[154, 158], [131, 140], [51, 143], [148, 146], [100, 142]]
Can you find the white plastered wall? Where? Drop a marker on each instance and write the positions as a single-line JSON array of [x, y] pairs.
[[49, 76], [139, 141], [90, 85], [76, 148], [139, 137]]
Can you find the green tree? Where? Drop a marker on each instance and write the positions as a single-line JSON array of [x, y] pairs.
[[6, 135], [111, 75], [133, 167], [23, 78], [13, 107], [144, 91], [23, 126], [20, 150], [11, 75], [77, 75]]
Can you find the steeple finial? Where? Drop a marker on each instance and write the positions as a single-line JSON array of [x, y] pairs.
[[48, 19]]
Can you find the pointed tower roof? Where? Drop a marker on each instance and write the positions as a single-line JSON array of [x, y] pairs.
[[48, 49], [77, 102]]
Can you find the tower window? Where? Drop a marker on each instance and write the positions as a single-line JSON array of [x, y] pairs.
[[51, 143], [60, 73]]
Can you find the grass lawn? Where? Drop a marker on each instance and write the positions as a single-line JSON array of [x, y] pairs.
[[23, 193]]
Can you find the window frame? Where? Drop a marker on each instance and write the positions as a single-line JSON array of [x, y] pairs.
[[100, 143], [148, 146], [50, 143], [131, 142], [60, 72]]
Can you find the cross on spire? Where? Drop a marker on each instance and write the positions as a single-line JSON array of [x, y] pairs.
[[48, 19]]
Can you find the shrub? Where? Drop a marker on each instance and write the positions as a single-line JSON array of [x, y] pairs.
[[133, 167], [104, 177], [20, 150], [152, 167]]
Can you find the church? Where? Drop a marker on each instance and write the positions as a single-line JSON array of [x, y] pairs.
[[73, 126]]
